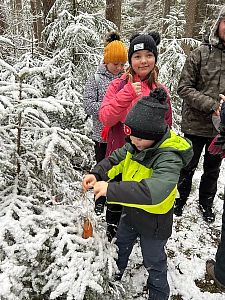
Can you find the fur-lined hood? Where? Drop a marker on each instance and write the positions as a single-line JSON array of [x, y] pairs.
[[214, 38]]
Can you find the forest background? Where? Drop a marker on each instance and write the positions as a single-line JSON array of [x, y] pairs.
[[48, 48]]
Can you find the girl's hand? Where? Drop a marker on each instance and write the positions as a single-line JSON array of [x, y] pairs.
[[88, 182], [100, 189], [136, 85]]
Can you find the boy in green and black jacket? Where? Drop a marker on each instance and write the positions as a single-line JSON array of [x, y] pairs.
[[150, 164]]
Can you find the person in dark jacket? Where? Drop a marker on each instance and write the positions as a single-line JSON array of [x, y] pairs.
[[216, 268], [150, 164], [202, 80]]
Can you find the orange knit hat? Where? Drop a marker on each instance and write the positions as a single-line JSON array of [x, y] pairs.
[[115, 51]]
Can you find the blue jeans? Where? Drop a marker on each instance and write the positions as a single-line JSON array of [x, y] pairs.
[[154, 258]]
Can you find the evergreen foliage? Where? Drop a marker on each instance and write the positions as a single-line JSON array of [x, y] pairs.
[[76, 35], [141, 16], [43, 255], [44, 153], [45, 149], [172, 56]]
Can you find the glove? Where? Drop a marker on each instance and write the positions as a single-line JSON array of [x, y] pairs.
[[214, 149], [218, 144], [220, 141], [222, 129]]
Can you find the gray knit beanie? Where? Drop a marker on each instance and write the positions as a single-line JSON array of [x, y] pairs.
[[146, 119]]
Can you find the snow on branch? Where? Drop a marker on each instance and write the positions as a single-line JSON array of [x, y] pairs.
[[7, 66]]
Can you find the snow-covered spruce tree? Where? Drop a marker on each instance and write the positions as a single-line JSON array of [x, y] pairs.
[[172, 56], [76, 35], [6, 47], [42, 253], [18, 22], [75, 39], [141, 16]]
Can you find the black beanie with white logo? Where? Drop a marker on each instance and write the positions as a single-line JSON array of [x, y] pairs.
[[148, 41], [146, 119]]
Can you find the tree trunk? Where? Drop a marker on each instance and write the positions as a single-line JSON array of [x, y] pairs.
[[113, 12], [200, 18], [18, 6], [143, 11], [191, 11], [37, 20], [166, 11], [18, 17], [3, 23], [47, 5]]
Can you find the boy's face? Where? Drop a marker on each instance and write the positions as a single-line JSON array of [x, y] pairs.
[[141, 144]]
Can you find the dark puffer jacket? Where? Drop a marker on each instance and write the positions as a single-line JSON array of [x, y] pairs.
[[201, 82]]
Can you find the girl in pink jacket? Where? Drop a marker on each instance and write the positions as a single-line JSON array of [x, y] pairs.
[[122, 93]]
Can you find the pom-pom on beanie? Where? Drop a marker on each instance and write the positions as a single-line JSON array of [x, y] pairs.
[[115, 51], [146, 119], [148, 41]]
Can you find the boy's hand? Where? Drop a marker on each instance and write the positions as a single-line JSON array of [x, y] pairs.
[[100, 189], [88, 182]]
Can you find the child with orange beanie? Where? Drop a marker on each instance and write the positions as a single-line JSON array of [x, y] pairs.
[[115, 57]]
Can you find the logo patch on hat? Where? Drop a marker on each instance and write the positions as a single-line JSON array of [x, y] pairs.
[[140, 46], [127, 130]]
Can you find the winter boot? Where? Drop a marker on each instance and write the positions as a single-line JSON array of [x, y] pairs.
[[210, 271], [179, 206], [207, 213]]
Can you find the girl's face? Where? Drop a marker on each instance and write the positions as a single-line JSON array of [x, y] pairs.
[[143, 62], [115, 68], [141, 144]]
